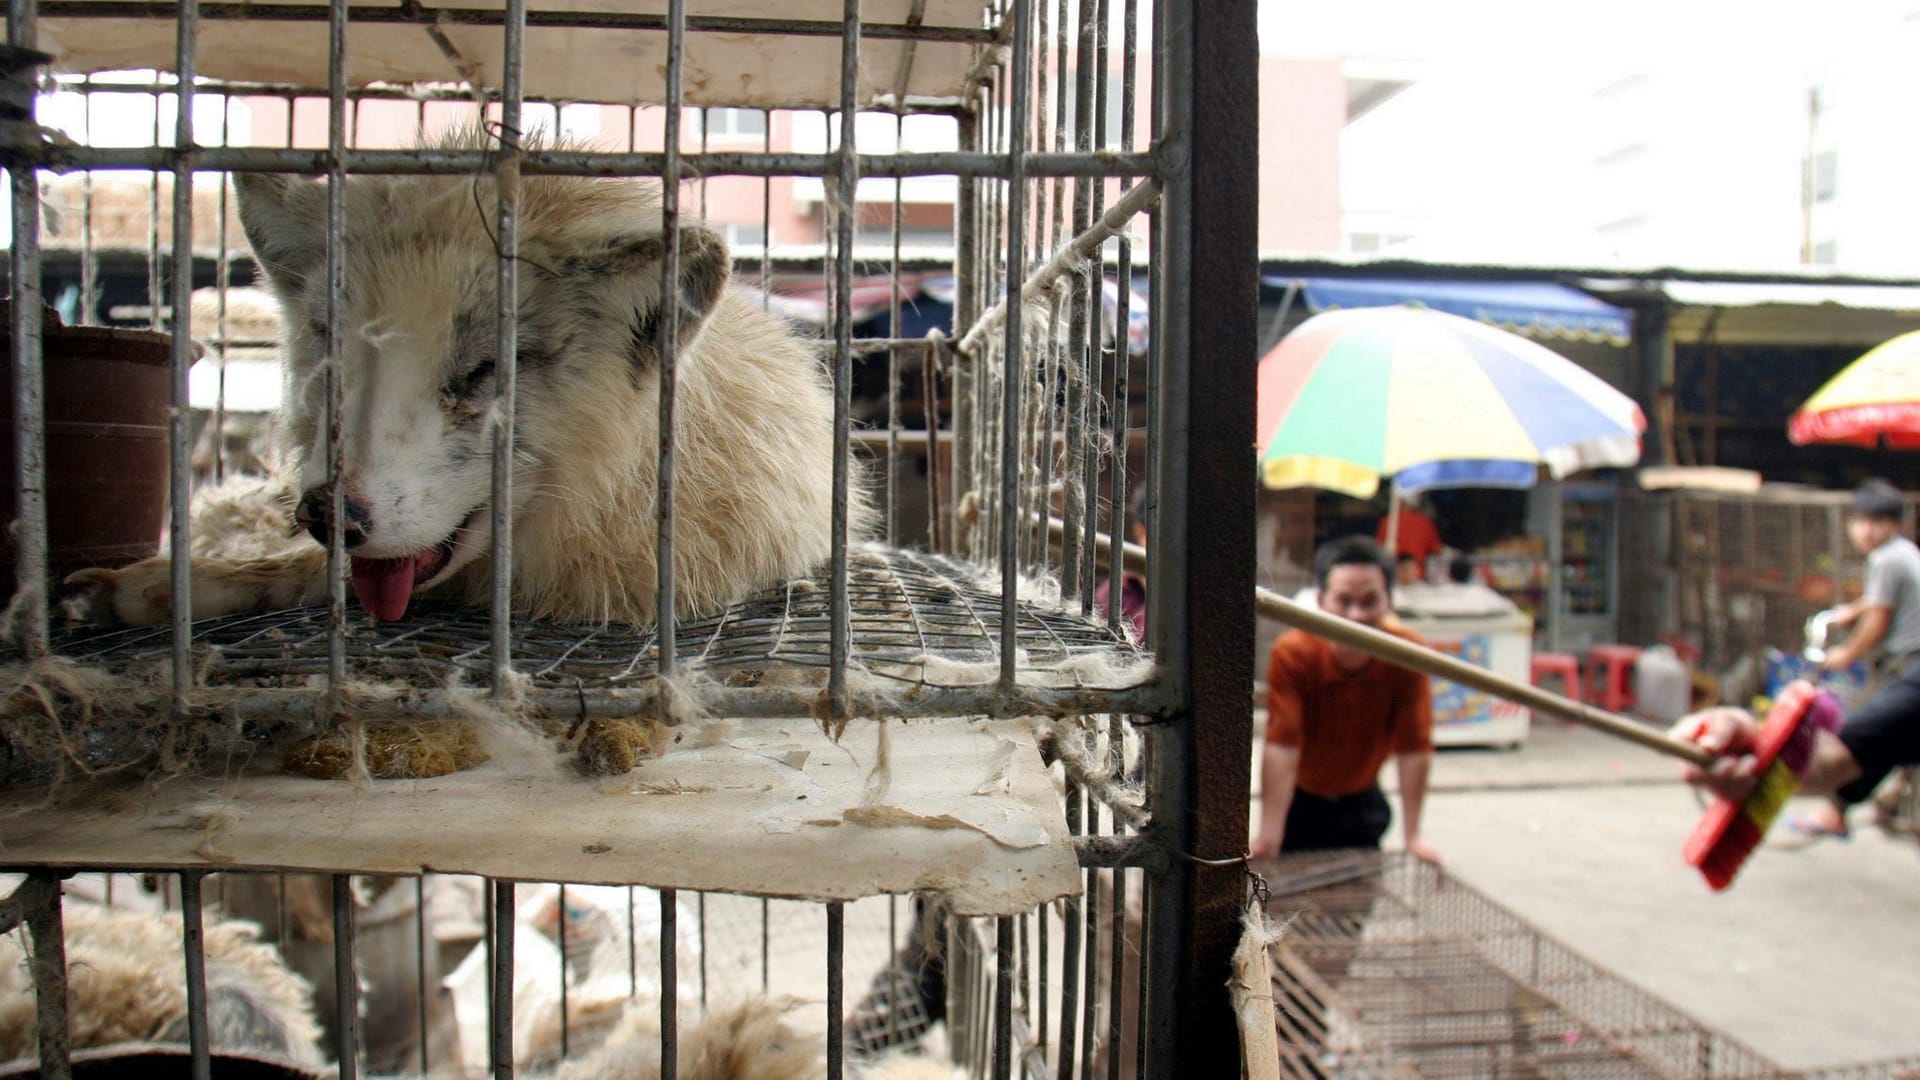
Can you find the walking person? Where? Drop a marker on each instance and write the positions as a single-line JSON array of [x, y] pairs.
[[1886, 633]]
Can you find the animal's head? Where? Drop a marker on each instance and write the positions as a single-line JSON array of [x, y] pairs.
[[417, 334]]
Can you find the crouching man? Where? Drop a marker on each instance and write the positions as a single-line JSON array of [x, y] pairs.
[[1334, 716]]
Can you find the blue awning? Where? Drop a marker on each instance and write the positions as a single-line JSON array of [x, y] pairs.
[[1538, 309]]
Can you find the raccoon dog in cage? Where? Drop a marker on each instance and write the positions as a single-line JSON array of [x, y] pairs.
[[124, 986], [753, 437]]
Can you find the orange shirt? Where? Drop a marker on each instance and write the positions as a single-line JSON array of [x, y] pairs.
[[1345, 723]]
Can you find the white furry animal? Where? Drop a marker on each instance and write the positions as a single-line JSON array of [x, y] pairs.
[[753, 435], [749, 1040], [124, 985]]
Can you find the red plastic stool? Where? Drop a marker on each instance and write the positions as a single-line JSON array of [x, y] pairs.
[[1610, 676], [1561, 664]]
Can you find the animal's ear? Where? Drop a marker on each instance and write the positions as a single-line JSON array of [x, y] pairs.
[[285, 221], [625, 275]]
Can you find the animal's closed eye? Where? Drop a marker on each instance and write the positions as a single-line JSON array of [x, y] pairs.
[[469, 384]]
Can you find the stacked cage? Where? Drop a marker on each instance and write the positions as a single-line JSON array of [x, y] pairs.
[[1736, 575], [1392, 968], [935, 777]]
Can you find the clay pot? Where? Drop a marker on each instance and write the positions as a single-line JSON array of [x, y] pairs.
[[106, 444]]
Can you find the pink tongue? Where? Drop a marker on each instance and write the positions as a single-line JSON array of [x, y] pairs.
[[384, 585]]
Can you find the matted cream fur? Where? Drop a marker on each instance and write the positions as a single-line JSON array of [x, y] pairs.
[[752, 445], [124, 984]]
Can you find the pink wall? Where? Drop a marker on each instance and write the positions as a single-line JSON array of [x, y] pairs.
[[1303, 107]]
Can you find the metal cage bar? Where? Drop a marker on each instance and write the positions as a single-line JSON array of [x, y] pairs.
[[193, 947], [1204, 483], [1009, 217], [29, 409], [346, 987], [506, 187], [668, 340]]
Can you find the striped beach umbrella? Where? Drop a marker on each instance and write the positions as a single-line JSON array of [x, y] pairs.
[[1876, 397], [1430, 400]]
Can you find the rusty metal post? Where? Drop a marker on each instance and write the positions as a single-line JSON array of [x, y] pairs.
[[1201, 547]]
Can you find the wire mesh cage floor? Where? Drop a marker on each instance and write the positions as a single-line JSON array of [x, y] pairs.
[[1389, 967], [926, 638], [910, 610]]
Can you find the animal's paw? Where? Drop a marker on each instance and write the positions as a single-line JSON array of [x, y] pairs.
[[612, 746], [136, 595], [393, 750]]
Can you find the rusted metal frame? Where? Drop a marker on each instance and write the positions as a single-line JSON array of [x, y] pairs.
[[574, 20], [500, 1017], [1117, 733], [420, 935], [1003, 972], [37, 903], [1083, 339], [506, 187], [967, 289], [930, 421], [560, 934], [222, 280], [1090, 481], [346, 982], [1025, 988], [669, 981], [89, 265], [156, 278], [1082, 247], [1012, 342], [991, 274], [1202, 549], [193, 948], [180, 415], [1052, 414], [836, 985], [29, 409], [1045, 975], [1090, 948], [275, 706], [666, 342], [1071, 939], [890, 522], [1113, 851], [845, 180], [1036, 370], [333, 449], [752, 163]]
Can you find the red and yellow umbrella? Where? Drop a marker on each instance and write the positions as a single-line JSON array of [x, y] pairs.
[[1875, 398]]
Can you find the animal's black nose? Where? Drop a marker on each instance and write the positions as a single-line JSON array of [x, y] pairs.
[[315, 514]]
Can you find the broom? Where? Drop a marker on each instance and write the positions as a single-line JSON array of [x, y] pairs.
[[1723, 838]]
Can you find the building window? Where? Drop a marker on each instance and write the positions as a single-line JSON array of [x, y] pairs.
[[1825, 253], [734, 123], [1824, 173], [739, 236], [911, 236], [1371, 243]]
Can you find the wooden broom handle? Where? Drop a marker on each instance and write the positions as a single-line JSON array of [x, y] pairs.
[[1397, 650]]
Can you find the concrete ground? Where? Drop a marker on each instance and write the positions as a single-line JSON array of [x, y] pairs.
[[1812, 957]]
